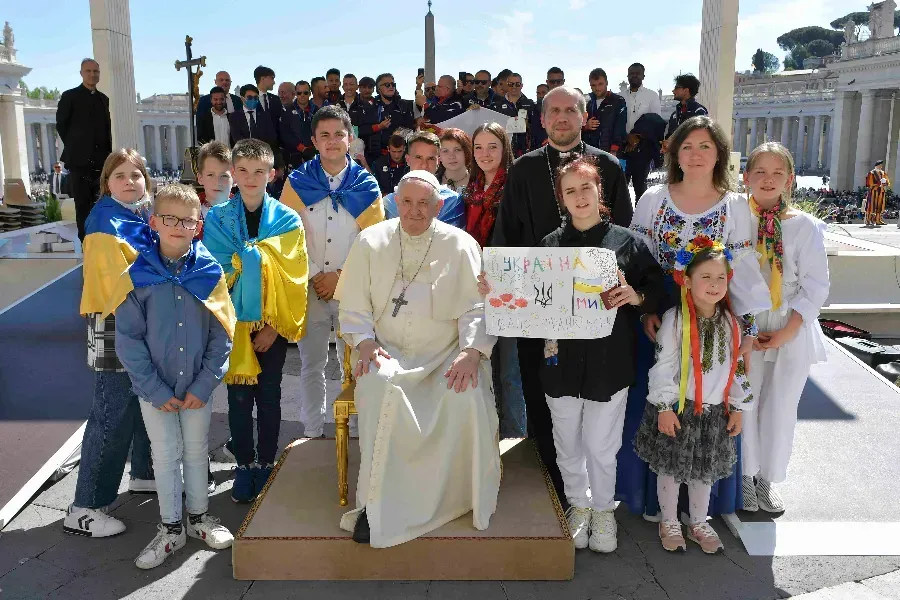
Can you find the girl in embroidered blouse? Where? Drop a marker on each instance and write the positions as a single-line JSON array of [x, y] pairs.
[[698, 199], [791, 244], [699, 373]]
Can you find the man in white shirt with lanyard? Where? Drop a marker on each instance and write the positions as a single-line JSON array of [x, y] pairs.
[[639, 101]]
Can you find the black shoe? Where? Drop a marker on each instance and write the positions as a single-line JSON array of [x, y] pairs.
[[361, 530], [210, 480]]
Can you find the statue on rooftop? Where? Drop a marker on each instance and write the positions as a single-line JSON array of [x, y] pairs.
[[850, 36], [9, 39]]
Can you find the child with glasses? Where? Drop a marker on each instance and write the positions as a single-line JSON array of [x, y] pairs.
[[173, 335]]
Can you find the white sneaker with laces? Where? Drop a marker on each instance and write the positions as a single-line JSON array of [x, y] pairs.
[[748, 487], [769, 499], [162, 547], [603, 531], [210, 531], [579, 525], [91, 522]]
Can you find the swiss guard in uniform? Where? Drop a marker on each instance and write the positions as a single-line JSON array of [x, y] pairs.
[[877, 183]]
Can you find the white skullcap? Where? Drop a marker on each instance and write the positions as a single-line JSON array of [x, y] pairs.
[[421, 175]]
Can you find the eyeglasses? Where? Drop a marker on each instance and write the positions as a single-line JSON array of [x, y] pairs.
[[173, 221], [389, 84], [429, 89], [306, 93], [556, 81], [469, 81], [514, 84], [481, 81]]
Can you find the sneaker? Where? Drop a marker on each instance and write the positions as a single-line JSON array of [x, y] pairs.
[[142, 486], [653, 518], [579, 525], [243, 490], [603, 531], [228, 450], [162, 547], [706, 537], [748, 487], [671, 536], [769, 499], [91, 522], [210, 531], [260, 477]]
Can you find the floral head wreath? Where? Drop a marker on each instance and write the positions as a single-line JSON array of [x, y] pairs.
[[690, 335]]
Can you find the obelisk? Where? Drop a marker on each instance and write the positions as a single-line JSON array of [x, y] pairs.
[[718, 47], [429, 46]]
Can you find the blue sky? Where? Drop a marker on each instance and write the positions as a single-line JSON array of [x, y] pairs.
[[367, 38]]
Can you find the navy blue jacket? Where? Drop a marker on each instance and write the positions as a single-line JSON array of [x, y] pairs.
[[470, 99], [538, 134], [399, 111], [520, 141], [265, 131], [438, 112], [612, 113], [684, 111], [295, 129], [388, 174]]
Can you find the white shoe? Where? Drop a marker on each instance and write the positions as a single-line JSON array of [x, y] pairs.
[[603, 531], [769, 499], [142, 486], [162, 547], [91, 522], [579, 525], [210, 531], [751, 502]]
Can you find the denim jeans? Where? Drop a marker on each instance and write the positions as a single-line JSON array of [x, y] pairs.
[[510, 399], [266, 396], [179, 439], [113, 423]]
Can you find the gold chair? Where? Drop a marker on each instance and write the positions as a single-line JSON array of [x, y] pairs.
[[344, 406]]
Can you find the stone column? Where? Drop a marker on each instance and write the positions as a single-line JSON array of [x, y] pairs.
[[770, 129], [816, 142], [864, 138], [785, 130], [15, 151], [718, 46], [142, 143], [111, 30], [801, 142], [157, 147], [754, 134], [841, 167], [45, 149], [51, 142], [740, 134], [2, 173], [173, 148], [826, 150], [30, 145]]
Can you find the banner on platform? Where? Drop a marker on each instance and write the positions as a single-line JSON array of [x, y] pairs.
[[551, 293]]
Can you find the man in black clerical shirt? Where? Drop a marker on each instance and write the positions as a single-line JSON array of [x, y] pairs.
[[529, 211], [83, 123]]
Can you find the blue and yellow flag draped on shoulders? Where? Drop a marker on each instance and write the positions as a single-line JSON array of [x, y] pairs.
[[267, 276], [358, 193], [201, 276], [114, 237]]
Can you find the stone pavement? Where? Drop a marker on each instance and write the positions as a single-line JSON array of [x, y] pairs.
[[37, 560]]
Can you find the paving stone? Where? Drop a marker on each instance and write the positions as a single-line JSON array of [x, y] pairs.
[[845, 591], [33, 579], [886, 585], [32, 532], [803, 574], [340, 590], [466, 590]]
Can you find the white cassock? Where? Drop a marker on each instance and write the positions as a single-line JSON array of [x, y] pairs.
[[429, 454], [779, 376]]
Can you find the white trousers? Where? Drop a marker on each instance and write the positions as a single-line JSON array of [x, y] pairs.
[[768, 431], [587, 436], [320, 318]]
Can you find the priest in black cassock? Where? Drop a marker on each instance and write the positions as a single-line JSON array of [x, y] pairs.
[[529, 211]]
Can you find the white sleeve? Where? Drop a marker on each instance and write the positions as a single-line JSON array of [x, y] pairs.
[[812, 265], [356, 327], [656, 105], [314, 269], [748, 290], [473, 332], [665, 376], [740, 395], [644, 215]]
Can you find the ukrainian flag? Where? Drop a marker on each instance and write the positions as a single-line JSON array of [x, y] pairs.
[[267, 276], [358, 193], [115, 236], [201, 276]]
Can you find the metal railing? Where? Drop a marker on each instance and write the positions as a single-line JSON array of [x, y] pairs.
[[785, 97], [870, 47]]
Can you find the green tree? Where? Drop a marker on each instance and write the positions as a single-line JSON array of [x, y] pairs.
[[765, 62], [861, 19], [794, 59], [820, 48], [804, 35]]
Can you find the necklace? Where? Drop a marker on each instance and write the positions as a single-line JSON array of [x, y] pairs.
[[580, 150], [400, 300]]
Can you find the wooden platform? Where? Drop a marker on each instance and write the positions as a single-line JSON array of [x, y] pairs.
[[292, 531]]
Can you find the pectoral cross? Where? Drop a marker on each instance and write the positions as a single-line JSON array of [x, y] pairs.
[[398, 302]]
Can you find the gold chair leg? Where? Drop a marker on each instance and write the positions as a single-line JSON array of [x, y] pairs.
[[342, 436]]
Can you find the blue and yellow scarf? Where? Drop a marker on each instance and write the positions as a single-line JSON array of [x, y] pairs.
[[267, 275], [114, 237], [358, 193]]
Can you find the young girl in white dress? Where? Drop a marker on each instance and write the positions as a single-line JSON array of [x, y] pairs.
[[698, 390], [793, 260]]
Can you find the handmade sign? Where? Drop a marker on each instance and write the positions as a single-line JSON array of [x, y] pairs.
[[552, 293]]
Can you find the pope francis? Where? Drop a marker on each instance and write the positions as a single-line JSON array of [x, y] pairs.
[[410, 308]]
